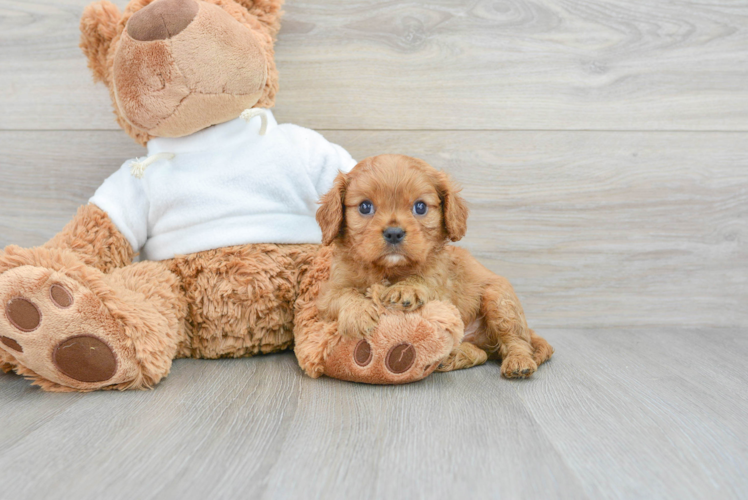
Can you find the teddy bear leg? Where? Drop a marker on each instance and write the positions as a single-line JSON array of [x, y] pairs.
[[70, 327], [405, 347]]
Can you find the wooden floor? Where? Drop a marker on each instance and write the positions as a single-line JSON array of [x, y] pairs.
[[603, 146], [620, 413]]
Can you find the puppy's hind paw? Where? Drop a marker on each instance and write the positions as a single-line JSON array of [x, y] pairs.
[[466, 355], [542, 350]]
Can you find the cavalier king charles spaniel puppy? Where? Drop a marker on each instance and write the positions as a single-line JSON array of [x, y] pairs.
[[390, 221]]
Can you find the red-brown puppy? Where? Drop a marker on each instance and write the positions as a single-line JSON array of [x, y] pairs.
[[390, 220]]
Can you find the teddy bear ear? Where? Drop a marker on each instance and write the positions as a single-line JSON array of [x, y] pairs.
[[268, 12], [98, 29]]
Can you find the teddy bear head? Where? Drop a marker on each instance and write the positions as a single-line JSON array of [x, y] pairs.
[[174, 67]]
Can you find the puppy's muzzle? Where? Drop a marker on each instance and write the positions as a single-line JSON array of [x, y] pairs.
[[394, 235]]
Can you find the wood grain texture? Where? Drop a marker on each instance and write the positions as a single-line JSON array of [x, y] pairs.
[[437, 64], [606, 418], [593, 229], [636, 408]]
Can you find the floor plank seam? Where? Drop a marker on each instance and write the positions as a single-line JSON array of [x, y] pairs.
[[546, 435]]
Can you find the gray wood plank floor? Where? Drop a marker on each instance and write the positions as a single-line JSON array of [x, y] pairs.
[[603, 146], [620, 413]]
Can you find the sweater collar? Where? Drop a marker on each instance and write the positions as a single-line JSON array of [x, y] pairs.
[[214, 137]]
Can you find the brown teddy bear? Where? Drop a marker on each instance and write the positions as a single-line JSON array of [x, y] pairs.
[[221, 211]]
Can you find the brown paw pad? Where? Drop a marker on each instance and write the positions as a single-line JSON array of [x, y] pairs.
[[23, 314], [11, 343], [362, 353], [60, 296], [400, 358], [85, 359]]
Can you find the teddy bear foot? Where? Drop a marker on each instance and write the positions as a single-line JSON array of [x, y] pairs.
[[70, 327], [405, 347], [56, 331]]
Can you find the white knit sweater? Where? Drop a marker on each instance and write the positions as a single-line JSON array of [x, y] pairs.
[[225, 185]]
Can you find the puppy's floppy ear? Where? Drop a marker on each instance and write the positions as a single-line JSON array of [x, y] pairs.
[[98, 28], [454, 207], [331, 213]]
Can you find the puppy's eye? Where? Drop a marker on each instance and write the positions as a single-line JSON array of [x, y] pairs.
[[366, 208], [420, 208]]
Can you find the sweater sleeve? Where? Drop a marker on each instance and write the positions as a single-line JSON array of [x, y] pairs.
[[324, 159], [123, 197]]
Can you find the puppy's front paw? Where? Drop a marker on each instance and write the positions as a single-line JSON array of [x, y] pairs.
[[404, 297], [358, 322], [518, 366]]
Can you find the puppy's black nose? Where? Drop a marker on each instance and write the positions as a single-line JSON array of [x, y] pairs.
[[394, 235]]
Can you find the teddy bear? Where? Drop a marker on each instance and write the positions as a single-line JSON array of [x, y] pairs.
[[220, 211]]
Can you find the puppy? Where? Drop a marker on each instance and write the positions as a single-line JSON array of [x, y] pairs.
[[390, 220]]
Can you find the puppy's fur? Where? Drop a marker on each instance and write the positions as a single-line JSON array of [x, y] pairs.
[[368, 271]]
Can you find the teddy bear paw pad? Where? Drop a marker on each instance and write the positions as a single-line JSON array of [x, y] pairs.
[[362, 354], [400, 358], [23, 314], [59, 329], [405, 347], [85, 358]]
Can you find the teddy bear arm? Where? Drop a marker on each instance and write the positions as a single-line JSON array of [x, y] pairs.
[[95, 240]]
